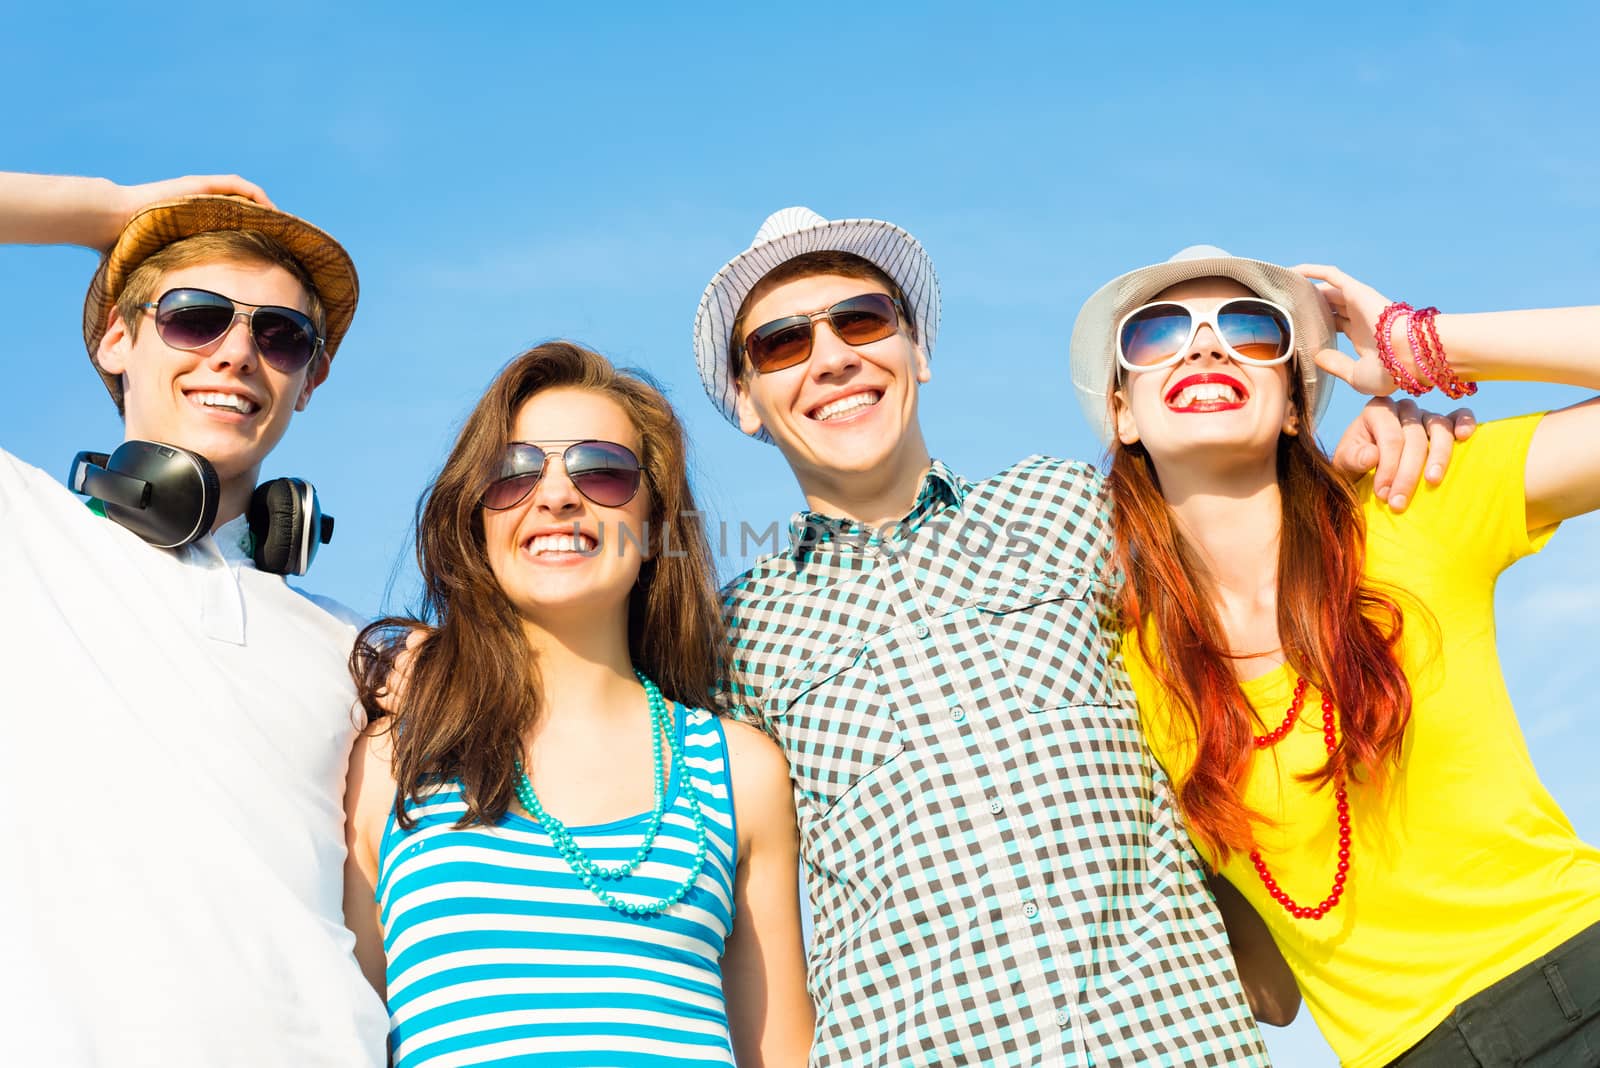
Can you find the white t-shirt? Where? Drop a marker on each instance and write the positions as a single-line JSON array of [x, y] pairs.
[[174, 735]]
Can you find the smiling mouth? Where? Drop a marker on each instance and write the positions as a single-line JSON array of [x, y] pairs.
[[846, 406], [227, 402], [560, 545], [1211, 396]]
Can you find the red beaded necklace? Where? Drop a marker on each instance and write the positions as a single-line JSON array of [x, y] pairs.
[[1264, 741]]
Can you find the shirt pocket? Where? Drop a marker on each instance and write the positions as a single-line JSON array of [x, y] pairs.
[[834, 720], [1045, 631]]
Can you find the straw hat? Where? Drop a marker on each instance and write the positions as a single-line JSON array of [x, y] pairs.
[[783, 236], [154, 227], [1094, 349]]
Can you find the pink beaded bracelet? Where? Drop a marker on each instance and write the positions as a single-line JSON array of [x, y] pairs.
[[1432, 360], [1391, 363]]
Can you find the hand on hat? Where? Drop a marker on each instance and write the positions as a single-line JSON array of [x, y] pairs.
[[128, 199], [1355, 307]]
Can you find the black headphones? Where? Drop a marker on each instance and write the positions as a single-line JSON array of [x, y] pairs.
[[168, 496]]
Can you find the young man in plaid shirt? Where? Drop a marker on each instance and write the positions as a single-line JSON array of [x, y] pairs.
[[997, 871]]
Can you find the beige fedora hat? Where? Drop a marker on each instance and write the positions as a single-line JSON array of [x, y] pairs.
[[1094, 348], [794, 232], [158, 225]]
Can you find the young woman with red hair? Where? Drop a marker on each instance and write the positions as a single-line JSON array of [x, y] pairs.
[[1316, 667]]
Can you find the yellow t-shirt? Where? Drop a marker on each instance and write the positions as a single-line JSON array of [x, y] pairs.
[[1464, 869]]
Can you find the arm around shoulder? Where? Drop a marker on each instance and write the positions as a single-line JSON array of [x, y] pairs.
[[369, 798], [763, 968], [1268, 983]]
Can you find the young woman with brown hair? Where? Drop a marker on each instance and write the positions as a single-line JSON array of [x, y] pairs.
[[1317, 671], [556, 855]]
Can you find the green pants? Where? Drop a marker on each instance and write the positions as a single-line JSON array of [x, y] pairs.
[[1544, 1015]]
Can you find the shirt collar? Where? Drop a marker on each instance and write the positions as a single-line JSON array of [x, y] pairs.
[[235, 542], [234, 539], [809, 531]]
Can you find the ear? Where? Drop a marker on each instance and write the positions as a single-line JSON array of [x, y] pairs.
[[1126, 429], [315, 375], [920, 362], [1291, 421], [112, 352], [745, 408]]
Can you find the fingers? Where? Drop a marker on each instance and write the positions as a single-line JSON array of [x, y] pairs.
[[1441, 444], [1332, 294], [1363, 375], [1463, 423], [1375, 432], [1337, 364], [231, 185], [1404, 468], [1323, 271], [394, 687]]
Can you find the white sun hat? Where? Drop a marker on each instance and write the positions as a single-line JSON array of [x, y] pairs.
[[1094, 343], [783, 236]]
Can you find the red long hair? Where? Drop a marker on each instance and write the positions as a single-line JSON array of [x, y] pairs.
[[1338, 631]]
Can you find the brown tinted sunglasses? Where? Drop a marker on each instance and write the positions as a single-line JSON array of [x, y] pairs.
[[858, 321]]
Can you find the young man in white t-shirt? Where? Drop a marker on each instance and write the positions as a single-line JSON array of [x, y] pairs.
[[176, 722]]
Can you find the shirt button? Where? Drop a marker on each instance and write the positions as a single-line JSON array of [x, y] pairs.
[[958, 714], [1063, 1018], [922, 630], [1030, 910], [995, 806]]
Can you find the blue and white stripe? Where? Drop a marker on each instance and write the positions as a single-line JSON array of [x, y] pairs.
[[497, 952]]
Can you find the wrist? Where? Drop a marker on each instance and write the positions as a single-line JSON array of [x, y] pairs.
[[1397, 341], [105, 212], [1428, 347]]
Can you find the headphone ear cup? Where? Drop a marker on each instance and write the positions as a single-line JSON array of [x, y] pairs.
[[280, 516]]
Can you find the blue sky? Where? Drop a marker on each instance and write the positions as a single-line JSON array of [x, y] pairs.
[[504, 175]]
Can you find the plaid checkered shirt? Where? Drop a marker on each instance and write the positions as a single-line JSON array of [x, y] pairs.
[[996, 869]]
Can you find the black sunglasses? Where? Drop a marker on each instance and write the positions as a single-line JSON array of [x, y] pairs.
[[191, 319], [603, 471], [786, 342]]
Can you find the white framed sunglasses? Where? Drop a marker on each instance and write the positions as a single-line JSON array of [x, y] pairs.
[[1159, 334]]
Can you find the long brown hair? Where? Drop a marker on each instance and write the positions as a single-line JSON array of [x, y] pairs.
[[473, 687], [1338, 631]]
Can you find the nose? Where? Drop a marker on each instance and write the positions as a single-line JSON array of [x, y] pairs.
[[236, 348], [1206, 345], [555, 492], [831, 356]]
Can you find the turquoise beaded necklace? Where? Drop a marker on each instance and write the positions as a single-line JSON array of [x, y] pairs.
[[592, 874]]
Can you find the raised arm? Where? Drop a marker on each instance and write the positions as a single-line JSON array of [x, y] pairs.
[[1557, 345], [763, 967], [44, 209]]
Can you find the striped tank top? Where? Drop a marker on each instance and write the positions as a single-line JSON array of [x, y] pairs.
[[498, 954]]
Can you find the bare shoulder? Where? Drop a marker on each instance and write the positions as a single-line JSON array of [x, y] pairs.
[[374, 746], [759, 773], [752, 750]]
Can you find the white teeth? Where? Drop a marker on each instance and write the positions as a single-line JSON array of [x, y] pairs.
[[1206, 391], [231, 401], [560, 543], [846, 405]]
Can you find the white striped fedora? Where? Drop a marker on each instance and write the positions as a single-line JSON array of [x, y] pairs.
[[794, 232], [1094, 346]]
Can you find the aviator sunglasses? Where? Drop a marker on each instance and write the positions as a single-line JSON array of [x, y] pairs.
[[603, 471], [1251, 330], [191, 319], [786, 342]]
